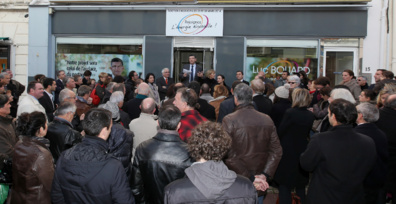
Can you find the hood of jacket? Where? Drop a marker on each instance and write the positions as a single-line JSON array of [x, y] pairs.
[[83, 162], [211, 178]]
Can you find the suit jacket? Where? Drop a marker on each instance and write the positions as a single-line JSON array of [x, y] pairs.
[[59, 87], [340, 160], [162, 86], [246, 82], [184, 80], [263, 103], [48, 105], [29, 104], [226, 107], [206, 110], [132, 106]]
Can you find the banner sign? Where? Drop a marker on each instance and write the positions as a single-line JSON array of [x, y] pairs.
[[96, 63], [194, 22], [273, 67]]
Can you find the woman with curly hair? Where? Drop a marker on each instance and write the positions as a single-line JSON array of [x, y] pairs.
[[209, 179], [32, 165]]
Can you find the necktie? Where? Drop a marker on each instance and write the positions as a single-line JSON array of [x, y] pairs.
[[166, 81], [192, 73]]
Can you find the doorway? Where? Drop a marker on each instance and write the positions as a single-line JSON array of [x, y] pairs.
[[338, 59], [204, 58]]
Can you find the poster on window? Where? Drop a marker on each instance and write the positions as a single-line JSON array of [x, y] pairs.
[[96, 63], [194, 22], [274, 67]]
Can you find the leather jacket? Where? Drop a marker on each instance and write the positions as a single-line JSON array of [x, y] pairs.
[[255, 144], [32, 171], [62, 136], [7, 138], [158, 162], [120, 145]]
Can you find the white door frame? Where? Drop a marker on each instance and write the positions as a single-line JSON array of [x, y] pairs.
[[342, 49]]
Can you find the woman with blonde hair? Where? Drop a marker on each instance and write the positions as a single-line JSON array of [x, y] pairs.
[[388, 89], [210, 79], [220, 94], [293, 133]]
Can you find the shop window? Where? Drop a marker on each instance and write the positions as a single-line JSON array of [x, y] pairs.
[[76, 55], [275, 56], [4, 57]]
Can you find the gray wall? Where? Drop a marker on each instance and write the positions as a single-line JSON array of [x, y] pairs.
[[319, 22], [158, 54]]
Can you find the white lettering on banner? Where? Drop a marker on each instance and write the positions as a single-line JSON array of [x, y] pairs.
[[280, 69]]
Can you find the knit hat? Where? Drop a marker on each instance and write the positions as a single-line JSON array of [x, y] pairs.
[[283, 91], [113, 108]]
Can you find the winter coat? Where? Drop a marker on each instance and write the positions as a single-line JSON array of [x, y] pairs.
[[120, 145], [7, 138], [87, 173], [32, 171], [158, 162]]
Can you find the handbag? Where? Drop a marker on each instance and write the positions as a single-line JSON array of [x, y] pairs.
[[95, 98], [316, 125]]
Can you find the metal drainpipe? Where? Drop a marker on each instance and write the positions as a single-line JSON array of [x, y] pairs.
[[383, 41], [392, 27]]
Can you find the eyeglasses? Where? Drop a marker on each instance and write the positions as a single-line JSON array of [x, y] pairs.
[[291, 82]]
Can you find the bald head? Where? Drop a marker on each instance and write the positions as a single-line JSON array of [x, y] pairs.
[[148, 106], [143, 89]]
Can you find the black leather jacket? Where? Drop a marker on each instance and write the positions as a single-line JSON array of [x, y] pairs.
[[158, 162], [62, 136]]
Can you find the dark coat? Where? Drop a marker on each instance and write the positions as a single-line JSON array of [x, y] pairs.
[[211, 83], [163, 86], [8, 138], [278, 110], [62, 136], [184, 80], [158, 162], [206, 110], [87, 173], [340, 160], [246, 82], [293, 133], [120, 145], [184, 191], [377, 176], [263, 103], [386, 123], [132, 106], [226, 107], [100, 91], [255, 145], [48, 105], [129, 90], [32, 172], [16, 89], [124, 119], [59, 87]]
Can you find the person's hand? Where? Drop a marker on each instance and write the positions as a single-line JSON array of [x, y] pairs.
[[89, 101], [82, 116], [164, 87], [185, 75], [83, 133], [310, 109], [260, 182]]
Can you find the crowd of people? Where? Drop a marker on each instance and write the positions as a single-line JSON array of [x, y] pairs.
[[133, 140]]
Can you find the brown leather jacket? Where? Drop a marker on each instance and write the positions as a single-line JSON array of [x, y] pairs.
[[82, 107], [32, 172], [7, 138], [255, 144]]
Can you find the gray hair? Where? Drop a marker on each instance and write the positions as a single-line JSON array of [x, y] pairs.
[[66, 107], [344, 94], [119, 87], [370, 112], [117, 97], [163, 70], [258, 86], [84, 89], [363, 77], [64, 94], [391, 101], [295, 78], [243, 93], [6, 70], [148, 105], [4, 74], [110, 86], [68, 79]]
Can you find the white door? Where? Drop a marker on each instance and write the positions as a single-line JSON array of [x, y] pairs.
[[336, 60]]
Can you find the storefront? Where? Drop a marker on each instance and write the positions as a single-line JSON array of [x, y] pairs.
[[271, 38]]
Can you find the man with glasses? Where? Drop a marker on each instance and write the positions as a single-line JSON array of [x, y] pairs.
[[117, 66], [362, 81], [294, 81]]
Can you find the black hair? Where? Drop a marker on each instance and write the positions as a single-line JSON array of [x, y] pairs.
[[118, 79], [31, 85], [117, 60], [3, 100], [131, 74], [148, 76], [345, 112], [169, 117], [194, 85], [48, 82], [87, 73], [369, 93], [29, 124], [239, 71], [95, 120]]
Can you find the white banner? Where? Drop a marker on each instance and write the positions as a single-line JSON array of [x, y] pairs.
[[194, 22]]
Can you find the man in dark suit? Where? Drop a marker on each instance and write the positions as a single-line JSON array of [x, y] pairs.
[[47, 101], [191, 72], [374, 182], [205, 109], [228, 105], [239, 76], [164, 82], [386, 123], [59, 85], [340, 158], [263, 103], [132, 107]]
